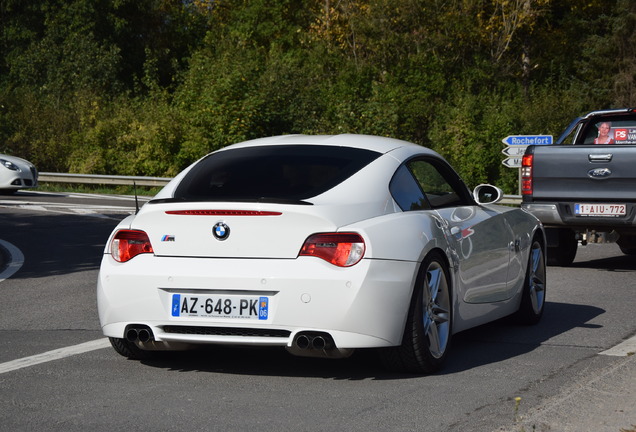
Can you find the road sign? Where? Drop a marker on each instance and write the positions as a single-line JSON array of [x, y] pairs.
[[526, 140], [514, 150], [512, 162]]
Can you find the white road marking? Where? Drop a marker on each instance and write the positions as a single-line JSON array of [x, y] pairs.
[[54, 355], [16, 259], [623, 349]]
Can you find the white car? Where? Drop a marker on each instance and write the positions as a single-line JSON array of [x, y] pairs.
[[16, 173], [321, 245]]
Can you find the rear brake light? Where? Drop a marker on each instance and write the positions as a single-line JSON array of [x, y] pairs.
[[127, 244], [526, 174], [223, 213], [339, 249]]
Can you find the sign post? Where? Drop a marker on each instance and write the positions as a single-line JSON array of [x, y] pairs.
[[512, 162], [516, 148], [526, 140], [514, 151]]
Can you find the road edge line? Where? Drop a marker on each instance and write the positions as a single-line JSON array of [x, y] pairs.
[[623, 349], [56, 354]]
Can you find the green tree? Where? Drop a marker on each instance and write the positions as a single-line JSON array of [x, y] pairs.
[[145, 87]]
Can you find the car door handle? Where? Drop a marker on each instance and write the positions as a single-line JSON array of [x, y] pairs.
[[600, 157]]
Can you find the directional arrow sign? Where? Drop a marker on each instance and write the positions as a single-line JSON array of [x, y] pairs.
[[512, 162], [514, 150], [526, 140]]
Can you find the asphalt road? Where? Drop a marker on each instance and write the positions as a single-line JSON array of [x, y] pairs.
[[57, 372]]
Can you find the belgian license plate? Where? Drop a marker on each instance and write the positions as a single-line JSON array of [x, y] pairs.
[[225, 306], [609, 210]]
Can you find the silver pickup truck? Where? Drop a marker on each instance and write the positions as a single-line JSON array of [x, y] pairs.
[[585, 183]]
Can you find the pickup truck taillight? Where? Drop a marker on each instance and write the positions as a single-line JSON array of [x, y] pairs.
[[526, 174]]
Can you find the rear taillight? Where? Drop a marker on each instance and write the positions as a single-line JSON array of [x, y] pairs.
[[526, 174], [127, 244], [339, 249]]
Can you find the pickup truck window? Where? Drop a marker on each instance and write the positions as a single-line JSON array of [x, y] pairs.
[[569, 138], [610, 130]]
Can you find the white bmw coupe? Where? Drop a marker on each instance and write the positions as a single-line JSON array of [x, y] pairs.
[[321, 245]]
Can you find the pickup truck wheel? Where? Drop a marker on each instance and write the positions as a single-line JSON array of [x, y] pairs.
[[627, 243], [564, 253]]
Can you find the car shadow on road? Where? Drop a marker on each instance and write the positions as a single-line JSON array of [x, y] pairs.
[[269, 361], [502, 340], [604, 257], [487, 344], [623, 263]]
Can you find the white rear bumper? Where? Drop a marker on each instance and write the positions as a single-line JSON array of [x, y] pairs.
[[360, 306]]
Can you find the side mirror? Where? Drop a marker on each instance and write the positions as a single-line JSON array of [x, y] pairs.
[[487, 194]]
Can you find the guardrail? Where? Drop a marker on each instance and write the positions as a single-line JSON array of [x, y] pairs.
[[102, 179], [154, 181], [511, 199]]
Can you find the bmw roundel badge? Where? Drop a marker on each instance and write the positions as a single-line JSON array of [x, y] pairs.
[[221, 231]]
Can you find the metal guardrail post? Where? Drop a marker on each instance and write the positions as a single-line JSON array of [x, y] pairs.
[[511, 199]]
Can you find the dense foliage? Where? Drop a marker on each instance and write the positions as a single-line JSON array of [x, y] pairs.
[[145, 87]]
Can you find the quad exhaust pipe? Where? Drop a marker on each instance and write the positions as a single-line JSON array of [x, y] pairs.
[[317, 344], [314, 341], [138, 333]]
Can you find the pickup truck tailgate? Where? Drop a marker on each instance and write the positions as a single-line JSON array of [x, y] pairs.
[[584, 172]]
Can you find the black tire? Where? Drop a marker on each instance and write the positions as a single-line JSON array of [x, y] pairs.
[[564, 253], [130, 349], [428, 330], [628, 251], [627, 243], [534, 287]]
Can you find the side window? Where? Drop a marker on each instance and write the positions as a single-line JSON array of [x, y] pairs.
[[437, 190], [406, 192], [420, 185]]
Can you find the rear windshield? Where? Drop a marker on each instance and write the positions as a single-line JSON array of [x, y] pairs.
[[286, 173], [611, 130]]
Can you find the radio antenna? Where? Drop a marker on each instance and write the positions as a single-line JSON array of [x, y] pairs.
[[136, 199]]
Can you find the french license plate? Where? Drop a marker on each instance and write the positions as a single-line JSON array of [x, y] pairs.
[[609, 210], [227, 306]]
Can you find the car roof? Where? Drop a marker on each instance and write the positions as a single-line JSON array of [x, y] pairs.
[[609, 112], [599, 114], [370, 142], [398, 149]]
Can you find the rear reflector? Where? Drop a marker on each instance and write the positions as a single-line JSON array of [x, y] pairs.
[[339, 249], [222, 213]]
